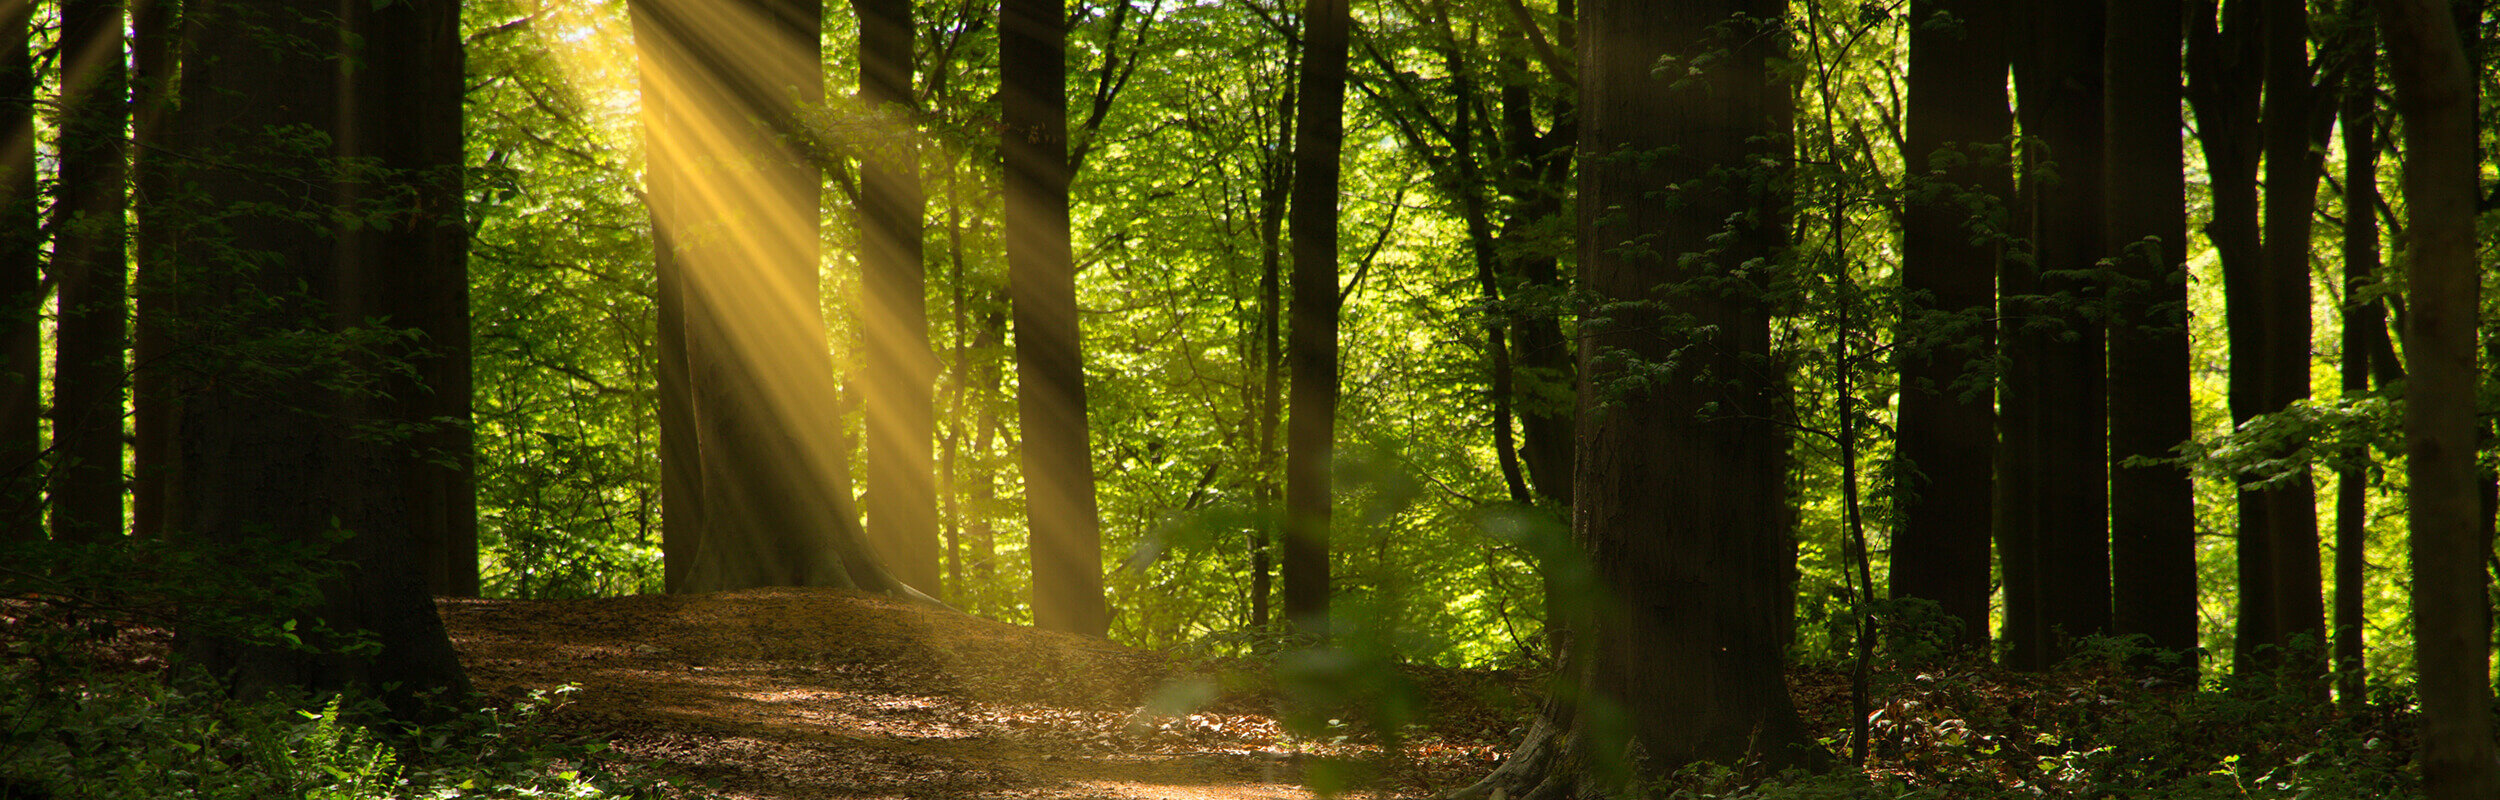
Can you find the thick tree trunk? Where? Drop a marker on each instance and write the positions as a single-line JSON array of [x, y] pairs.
[[277, 451], [155, 27], [88, 264], [1956, 107], [2152, 508], [681, 452], [21, 284], [1311, 337], [1681, 475], [1041, 280], [2436, 93], [2058, 328], [900, 370], [775, 506], [407, 127], [2281, 291]]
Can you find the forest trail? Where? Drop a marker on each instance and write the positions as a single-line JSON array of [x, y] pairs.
[[790, 694]]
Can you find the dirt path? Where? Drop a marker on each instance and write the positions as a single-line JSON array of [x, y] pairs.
[[781, 694]]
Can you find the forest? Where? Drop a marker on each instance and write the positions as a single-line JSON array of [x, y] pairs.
[[1142, 399]]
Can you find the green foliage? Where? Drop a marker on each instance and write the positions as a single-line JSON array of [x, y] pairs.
[[96, 703]]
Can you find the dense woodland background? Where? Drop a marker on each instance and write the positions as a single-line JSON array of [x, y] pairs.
[[1605, 340]]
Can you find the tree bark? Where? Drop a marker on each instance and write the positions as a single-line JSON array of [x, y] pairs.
[[900, 369], [1682, 469], [2281, 290], [681, 451], [1311, 336], [2058, 69], [2152, 508], [1956, 108], [407, 111], [155, 28], [2436, 94], [21, 285], [1041, 277], [277, 451], [88, 264], [741, 225]]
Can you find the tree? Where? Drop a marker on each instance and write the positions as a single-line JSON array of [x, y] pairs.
[[409, 149], [1041, 279], [2151, 505], [2279, 291], [2367, 351], [2056, 482], [901, 490], [1683, 459], [21, 284], [1311, 319], [2436, 94], [155, 28], [1956, 109], [277, 426], [88, 264], [736, 208]]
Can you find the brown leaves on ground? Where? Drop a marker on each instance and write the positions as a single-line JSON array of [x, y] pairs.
[[820, 693]]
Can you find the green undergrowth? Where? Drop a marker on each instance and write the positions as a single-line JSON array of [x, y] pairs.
[[94, 705]]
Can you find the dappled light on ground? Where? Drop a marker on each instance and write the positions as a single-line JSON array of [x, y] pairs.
[[821, 693]]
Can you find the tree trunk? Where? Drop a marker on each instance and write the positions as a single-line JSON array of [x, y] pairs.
[[681, 452], [1276, 181], [900, 370], [21, 285], [2363, 318], [1956, 107], [277, 451], [775, 509], [1682, 472], [407, 110], [2059, 75], [2152, 508], [2223, 60], [2282, 319], [91, 272], [2436, 94], [1311, 336], [1041, 279], [154, 26]]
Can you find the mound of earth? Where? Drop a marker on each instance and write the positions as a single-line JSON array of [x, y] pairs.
[[820, 693]]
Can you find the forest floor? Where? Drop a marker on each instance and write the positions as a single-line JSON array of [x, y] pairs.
[[780, 694]]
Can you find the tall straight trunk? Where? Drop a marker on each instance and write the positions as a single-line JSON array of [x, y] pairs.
[[732, 81], [89, 379], [405, 108], [1276, 181], [1311, 335], [1956, 105], [2436, 94], [2059, 76], [154, 27], [1041, 279], [2281, 290], [2223, 61], [901, 490], [2363, 320], [2152, 508], [1680, 480], [21, 284], [281, 452], [681, 450]]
